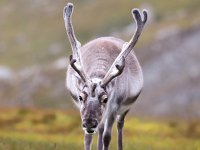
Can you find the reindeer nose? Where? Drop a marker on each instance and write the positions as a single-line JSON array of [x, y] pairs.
[[90, 123]]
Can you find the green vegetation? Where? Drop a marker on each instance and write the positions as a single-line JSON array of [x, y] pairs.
[[30, 129]]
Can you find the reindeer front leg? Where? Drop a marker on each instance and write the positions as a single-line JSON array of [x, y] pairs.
[[107, 130], [88, 141], [120, 125], [100, 136]]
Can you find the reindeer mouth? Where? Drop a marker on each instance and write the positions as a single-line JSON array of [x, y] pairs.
[[89, 130]]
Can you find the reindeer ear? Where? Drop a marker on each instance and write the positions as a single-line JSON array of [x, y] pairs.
[[77, 77], [80, 84], [76, 83]]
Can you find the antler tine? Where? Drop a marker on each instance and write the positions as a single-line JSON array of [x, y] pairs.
[[118, 65], [77, 68], [115, 70], [127, 47], [75, 60]]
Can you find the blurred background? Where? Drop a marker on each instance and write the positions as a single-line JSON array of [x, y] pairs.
[[34, 52]]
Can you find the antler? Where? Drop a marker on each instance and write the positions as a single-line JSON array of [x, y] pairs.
[[75, 60], [118, 65]]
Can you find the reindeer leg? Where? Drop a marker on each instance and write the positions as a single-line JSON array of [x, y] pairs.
[[88, 141], [107, 130], [100, 137], [120, 125]]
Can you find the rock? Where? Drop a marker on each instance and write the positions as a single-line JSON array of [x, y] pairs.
[[5, 73]]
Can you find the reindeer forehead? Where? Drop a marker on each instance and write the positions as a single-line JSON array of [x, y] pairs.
[[94, 86], [93, 89]]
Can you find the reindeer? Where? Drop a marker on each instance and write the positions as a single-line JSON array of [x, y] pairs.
[[104, 78]]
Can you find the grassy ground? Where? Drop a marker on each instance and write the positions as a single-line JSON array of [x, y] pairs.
[[25, 129]]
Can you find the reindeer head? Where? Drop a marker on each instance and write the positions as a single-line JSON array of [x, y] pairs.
[[93, 97]]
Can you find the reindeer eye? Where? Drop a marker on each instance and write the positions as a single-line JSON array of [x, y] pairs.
[[104, 99], [82, 97]]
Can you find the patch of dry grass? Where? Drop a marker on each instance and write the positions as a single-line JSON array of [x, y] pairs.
[[48, 129]]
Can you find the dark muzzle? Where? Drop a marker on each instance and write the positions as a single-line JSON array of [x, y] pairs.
[[90, 125]]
